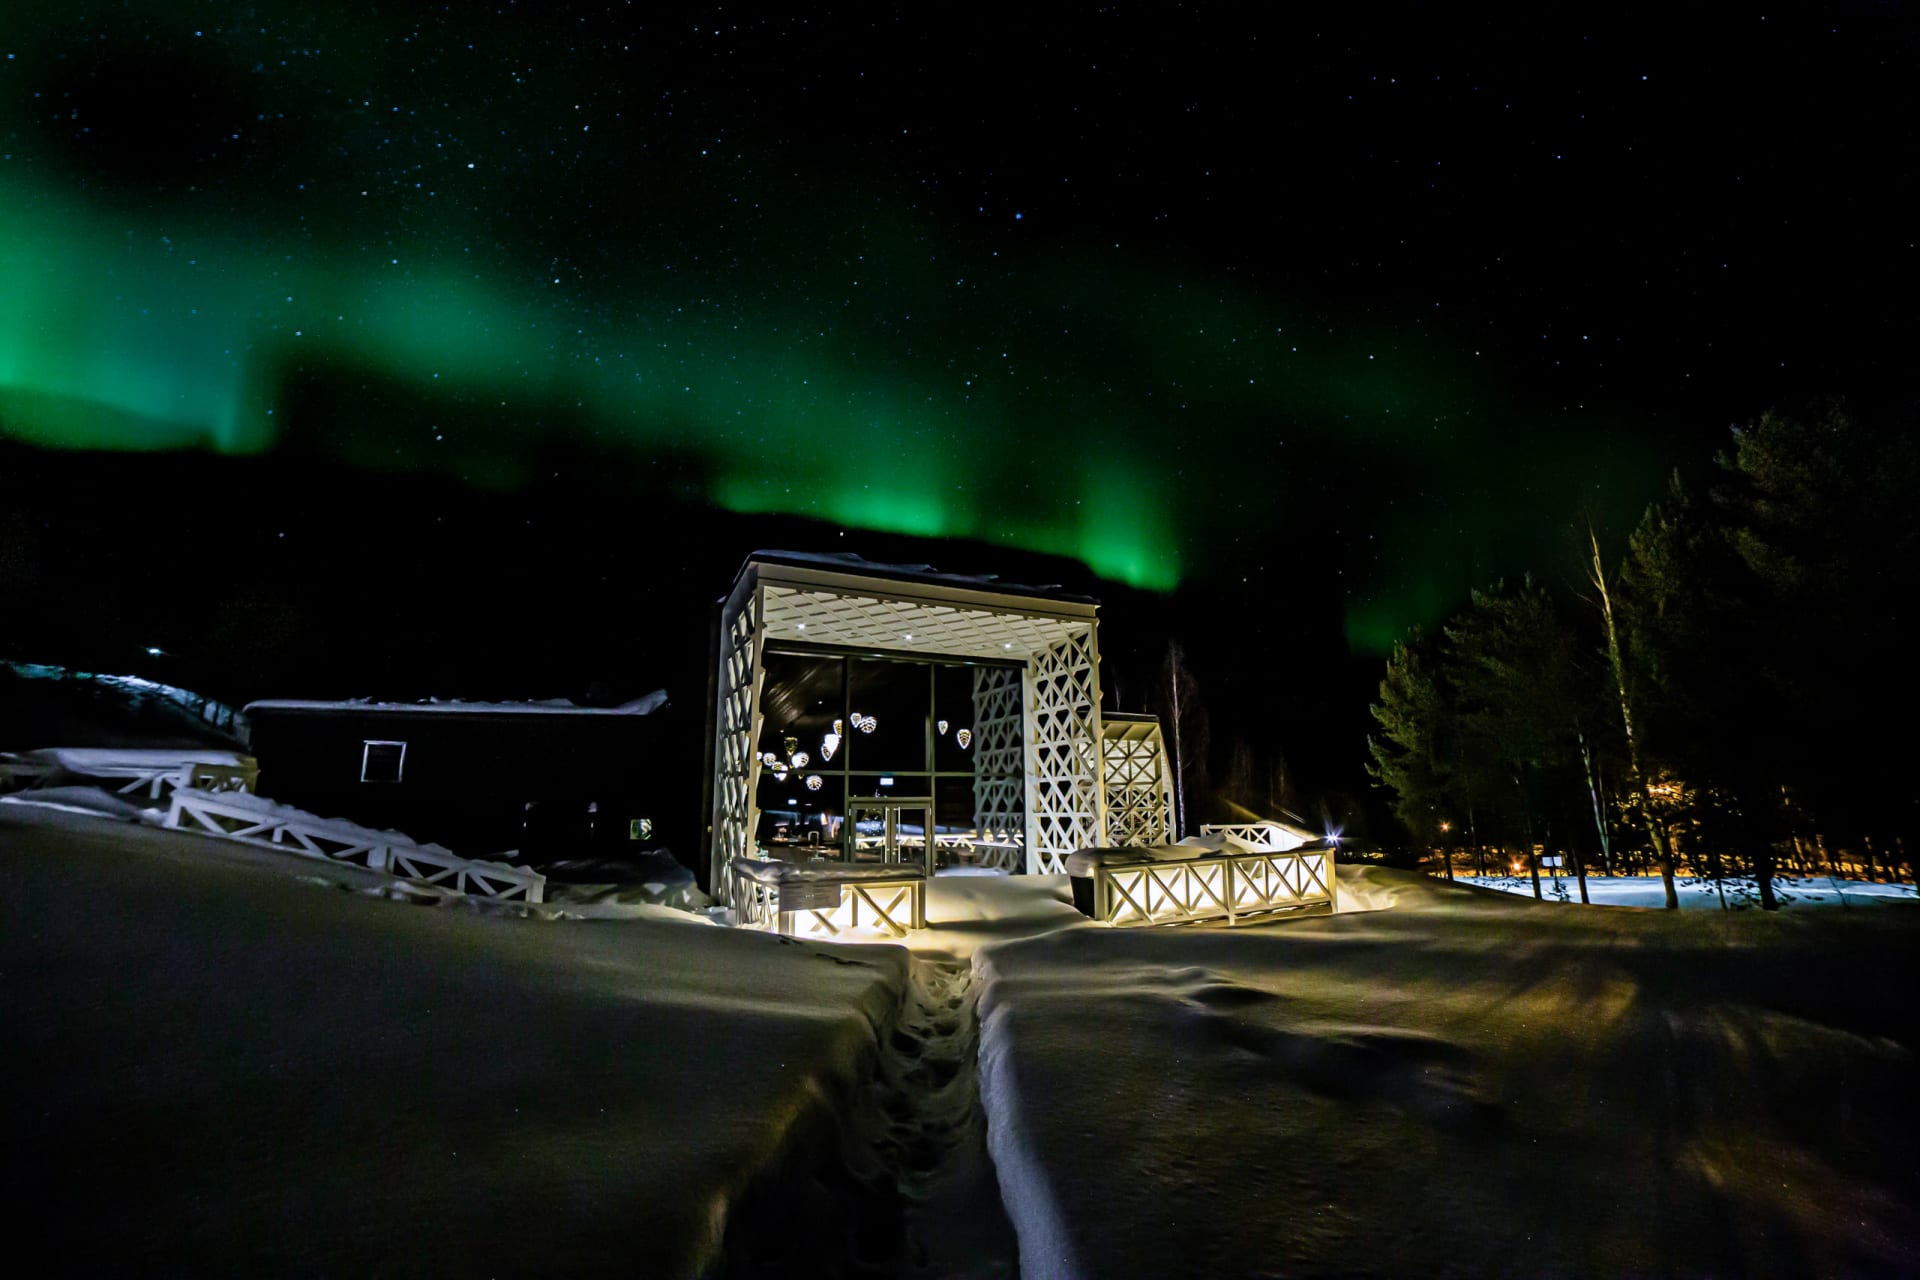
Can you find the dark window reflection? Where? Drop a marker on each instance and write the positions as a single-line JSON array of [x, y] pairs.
[[953, 719], [839, 731], [888, 704]]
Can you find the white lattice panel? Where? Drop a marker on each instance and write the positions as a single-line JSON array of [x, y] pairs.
[[1064, 807], [907, 626], [999, 761], [1139, 783], [735, 765]]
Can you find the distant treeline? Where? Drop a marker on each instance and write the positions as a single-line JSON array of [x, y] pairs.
[[1735, 696]]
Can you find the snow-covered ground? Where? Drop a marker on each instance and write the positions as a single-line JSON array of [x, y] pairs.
[[220, 1058], [1467, 1083], [1792, 892], [217, 1061]]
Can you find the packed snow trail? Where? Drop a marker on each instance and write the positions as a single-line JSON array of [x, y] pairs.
[[906, 1188]]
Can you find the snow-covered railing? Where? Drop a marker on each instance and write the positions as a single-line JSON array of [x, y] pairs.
[[1259, 835], [151, 772], [1136, 887], [828, 900], [261, 822]]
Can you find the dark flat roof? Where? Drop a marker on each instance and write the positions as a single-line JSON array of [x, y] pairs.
[[551, 707]]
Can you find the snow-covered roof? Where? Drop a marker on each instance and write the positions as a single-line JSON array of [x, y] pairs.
[[847, 562], [456, 706]]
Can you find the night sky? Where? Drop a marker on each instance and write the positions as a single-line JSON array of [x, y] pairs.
[[1322, 319]]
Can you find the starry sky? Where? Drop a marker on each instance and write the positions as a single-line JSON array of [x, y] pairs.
[[1349, 311]]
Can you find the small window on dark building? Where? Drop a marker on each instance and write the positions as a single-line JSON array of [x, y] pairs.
[[382, 761]]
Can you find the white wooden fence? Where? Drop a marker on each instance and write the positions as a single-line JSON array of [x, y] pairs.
[[866, 900], [1227, 885], [262, 823], [1259, 835]]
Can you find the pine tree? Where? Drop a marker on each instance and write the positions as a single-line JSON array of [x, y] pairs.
[[1407, 754]]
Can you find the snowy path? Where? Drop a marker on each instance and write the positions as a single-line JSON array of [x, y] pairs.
[[905, 1187], [936, 1136]]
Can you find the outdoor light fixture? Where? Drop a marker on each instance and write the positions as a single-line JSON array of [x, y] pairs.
[[153, 650], [964, 737]]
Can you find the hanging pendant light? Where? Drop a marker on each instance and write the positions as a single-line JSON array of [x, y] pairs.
[[813, 782], [830, 743], [799, 759], [964, 737], [942, 726]]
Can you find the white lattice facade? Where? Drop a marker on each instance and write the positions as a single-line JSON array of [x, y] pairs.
[[999, 764], [735, 767], [1065, 808], [1139, 782]]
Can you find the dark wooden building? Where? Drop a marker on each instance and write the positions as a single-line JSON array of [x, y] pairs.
[[547, 780]]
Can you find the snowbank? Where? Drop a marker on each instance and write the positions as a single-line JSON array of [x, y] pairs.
[[112, 761], [1467, 1083], [87, 800], [214, 1067]]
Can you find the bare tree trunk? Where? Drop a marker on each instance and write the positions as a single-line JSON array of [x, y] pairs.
[[1599, 815], [1763, 876], [1526, 814], [1656, 830], [1179, 752]]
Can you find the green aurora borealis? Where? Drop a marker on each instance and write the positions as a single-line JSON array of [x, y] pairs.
[[421, 212]]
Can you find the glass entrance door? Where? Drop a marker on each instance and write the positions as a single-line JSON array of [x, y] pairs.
[[894, 831]]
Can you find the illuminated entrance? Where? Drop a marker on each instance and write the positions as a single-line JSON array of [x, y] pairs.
[[875, 715]]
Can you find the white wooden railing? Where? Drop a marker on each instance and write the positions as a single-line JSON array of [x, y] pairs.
[[259, 822], [1227, 885], [830, 903], [1258, 835]]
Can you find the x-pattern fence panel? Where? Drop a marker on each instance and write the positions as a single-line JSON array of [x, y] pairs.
[[1139, 786], [1227, 887], [735, 765], [1257, 835], [1064, 810], [867, 907], [205, 813]]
